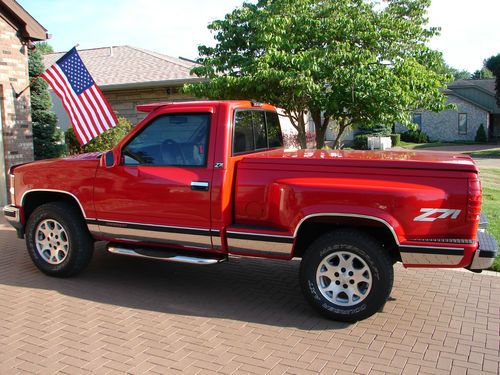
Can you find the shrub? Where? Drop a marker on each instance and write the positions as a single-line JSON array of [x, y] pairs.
[[395, 139], [360, 142], [103, 142], [481, 134], [415, 136]]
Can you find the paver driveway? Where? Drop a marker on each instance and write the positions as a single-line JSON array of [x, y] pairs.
[[124, 315]]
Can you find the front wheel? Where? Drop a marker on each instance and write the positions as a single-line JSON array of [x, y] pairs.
[[57, 239], [346, 275]]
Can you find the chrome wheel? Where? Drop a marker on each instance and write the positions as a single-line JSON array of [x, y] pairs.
[[344, 278], [51, 241]]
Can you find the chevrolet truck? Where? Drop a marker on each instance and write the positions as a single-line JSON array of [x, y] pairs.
[[198, 182]]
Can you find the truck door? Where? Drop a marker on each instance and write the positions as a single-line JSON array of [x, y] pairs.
[[160, 190]]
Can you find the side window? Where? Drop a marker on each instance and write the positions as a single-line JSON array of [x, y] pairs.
[[274, 130], [259, 129], [170, 140], [256, 130], [243, 132]]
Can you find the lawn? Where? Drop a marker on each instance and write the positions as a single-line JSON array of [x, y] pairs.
[[491, 153], [412, 146], [490, 178]]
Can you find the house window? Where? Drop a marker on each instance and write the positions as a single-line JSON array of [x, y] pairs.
[[462, 123], [416, 118]]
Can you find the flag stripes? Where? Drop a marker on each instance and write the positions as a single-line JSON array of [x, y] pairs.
[[88, 109]]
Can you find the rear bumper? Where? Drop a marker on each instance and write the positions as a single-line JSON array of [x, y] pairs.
[[13, 215], [485, 253]]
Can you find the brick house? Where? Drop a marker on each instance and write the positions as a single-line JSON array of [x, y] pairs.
[[129, 76], [17, 31], [475, 105]]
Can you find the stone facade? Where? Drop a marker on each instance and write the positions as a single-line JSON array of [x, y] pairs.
[[15, 117], [443, 126]]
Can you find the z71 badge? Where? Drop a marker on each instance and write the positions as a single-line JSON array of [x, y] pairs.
[[431, 214]]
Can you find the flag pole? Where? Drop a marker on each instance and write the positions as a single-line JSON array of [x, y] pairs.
[[33, 80]]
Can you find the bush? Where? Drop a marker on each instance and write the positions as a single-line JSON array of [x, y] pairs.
[[360, 142], [103, 142], [415, 136], [481, 134], [395, 139]]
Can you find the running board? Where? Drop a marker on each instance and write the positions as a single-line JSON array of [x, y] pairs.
[[166, 255]]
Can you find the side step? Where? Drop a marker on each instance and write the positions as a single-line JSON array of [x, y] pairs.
[[166, 255]]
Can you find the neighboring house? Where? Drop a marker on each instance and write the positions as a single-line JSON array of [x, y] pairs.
[[17, 32], [475, 105], [129, 76]]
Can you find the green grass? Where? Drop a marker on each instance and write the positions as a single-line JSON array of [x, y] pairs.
[[491, 153], [490, 178], [412, 146]]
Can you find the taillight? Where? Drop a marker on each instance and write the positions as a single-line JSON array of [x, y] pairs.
[[474, 200], [12, 191]]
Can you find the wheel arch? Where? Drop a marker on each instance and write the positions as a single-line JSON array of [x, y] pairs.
[[32, 199], [315, 225]]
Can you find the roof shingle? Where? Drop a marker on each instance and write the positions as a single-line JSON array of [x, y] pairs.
[[487, 84], [125, 65]]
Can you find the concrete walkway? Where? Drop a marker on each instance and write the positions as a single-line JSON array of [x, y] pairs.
[[246, 316]]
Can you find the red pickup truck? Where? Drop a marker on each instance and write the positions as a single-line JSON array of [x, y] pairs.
[[197, 182]]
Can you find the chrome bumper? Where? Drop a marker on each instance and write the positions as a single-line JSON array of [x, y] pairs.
[[13, 216]]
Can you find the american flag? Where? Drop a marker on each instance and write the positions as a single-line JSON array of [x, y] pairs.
[[88, 109]]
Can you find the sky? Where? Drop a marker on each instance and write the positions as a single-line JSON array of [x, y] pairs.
[[469, 29]]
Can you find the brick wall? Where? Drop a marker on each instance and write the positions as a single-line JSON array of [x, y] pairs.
[[443, 126], [16, 117]]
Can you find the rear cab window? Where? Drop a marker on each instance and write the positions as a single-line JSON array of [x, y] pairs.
[[256, 130]]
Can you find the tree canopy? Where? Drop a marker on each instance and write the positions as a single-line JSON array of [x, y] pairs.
[[346, 61], [482, 73], [493, 64], [47, 138]]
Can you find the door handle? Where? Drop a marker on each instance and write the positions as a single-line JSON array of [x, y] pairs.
[[199, 185]]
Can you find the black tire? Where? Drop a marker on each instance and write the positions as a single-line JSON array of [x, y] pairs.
[[79, 244], [371, 292]]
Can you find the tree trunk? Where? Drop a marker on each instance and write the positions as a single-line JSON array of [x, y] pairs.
[[301, 129], [297, 121], [343, 125], [320, 127]]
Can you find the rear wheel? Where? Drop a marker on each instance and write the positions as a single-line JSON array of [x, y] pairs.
[[57, 239], [346, 275]]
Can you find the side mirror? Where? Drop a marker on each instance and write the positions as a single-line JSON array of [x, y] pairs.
[[109, 159]]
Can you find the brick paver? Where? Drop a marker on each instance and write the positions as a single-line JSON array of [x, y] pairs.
[[247, 316]]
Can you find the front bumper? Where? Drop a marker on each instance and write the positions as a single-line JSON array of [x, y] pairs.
[[13, 215], [486, 252]]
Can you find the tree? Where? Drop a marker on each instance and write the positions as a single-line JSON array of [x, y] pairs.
[[346, 61], [456, 73], [102, 142], [44, 48], [493, 64], [482, 73], [47, 138]]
